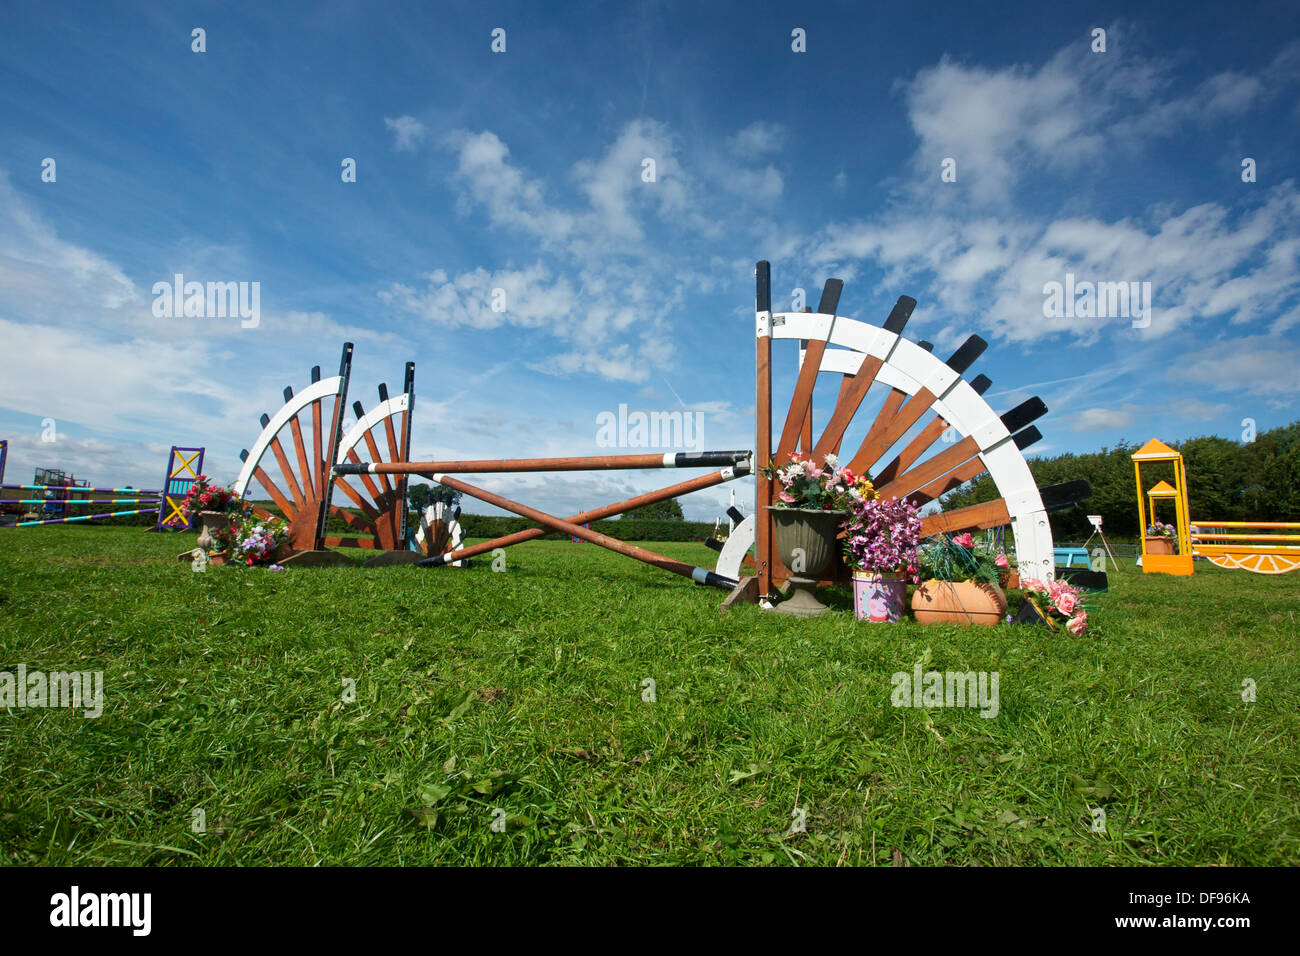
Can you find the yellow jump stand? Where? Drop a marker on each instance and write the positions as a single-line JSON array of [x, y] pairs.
[[1180, 563]]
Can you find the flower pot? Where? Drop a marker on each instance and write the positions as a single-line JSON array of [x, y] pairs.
[[209, 521], [879, 597], [805, 540], [1160, 545], [958, 602], [280, 552], [1009, 580]]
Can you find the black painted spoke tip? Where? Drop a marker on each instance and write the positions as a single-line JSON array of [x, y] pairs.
[[1031, 409], [1027, 437], [831, 296], [899, 315], [965, 356]]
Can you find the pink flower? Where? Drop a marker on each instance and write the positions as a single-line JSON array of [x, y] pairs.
[[1066, 602], [1077, 624], [786, 497], [1001, 561], [965, 540]]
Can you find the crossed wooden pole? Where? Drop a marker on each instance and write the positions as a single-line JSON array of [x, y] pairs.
[[737, 464]]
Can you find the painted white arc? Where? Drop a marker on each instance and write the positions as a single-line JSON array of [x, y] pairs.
[[317, 390], [910, 368]]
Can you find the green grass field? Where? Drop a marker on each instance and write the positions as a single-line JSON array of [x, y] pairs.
[[522, 692]]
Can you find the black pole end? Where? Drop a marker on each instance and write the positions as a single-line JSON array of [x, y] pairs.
[[763, 277]]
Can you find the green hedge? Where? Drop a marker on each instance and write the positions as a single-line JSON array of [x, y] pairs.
[[492, 526], [635, 529]]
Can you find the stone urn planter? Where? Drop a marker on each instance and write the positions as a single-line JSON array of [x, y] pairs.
[[208, 522], [959, 602], [806, 543], [1160, 544]]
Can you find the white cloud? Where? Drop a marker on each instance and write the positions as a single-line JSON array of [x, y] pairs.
[[758, 138], [42, 274], [1203, 263], [408, 132], [532, 298], [487, 178], [1257, 365], [1103, 419], [1194, 408]]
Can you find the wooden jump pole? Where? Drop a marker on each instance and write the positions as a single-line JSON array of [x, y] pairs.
[[686, 459], [652, 497], [699, 575], [114, 514], [763, 552], [83, 488], [80, 501]]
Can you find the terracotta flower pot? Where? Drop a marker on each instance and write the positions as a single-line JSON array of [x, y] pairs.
[[280, 552], [1160, 544], [959, 602], [1009, 580], [806, 543]]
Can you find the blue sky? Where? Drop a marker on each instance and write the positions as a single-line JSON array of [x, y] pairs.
[[522, 170]]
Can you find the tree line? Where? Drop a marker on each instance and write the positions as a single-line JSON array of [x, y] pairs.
[[1226, 481]]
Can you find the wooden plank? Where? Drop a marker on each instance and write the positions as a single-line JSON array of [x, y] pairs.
[[955, 479], [940, 464], [301, 449], [851, 396], [987, 514], [276, 494], [322, 467], [287, 472], [763, 551], [699, 575], [928, 436], [883, 435], [801, 402]]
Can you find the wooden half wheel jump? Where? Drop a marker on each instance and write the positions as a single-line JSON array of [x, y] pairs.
[[440, 532], [382, 521], [918, 387], [302, 491]]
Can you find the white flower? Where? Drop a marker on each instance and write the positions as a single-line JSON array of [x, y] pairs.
[[832, 460]]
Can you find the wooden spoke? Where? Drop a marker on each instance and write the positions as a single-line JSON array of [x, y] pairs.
[[801, 404], [988, 514], [919, 445], [884, 433], [276, 494], [941, 464], [299, 499], [955, 479], [306, 470], [851, 397], [321, 466]]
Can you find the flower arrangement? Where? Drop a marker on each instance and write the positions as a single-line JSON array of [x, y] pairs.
[[205, 496], [826, 487], [883, 536], [251, 541], [1063, 600], [958, 558], [1160, 530]]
